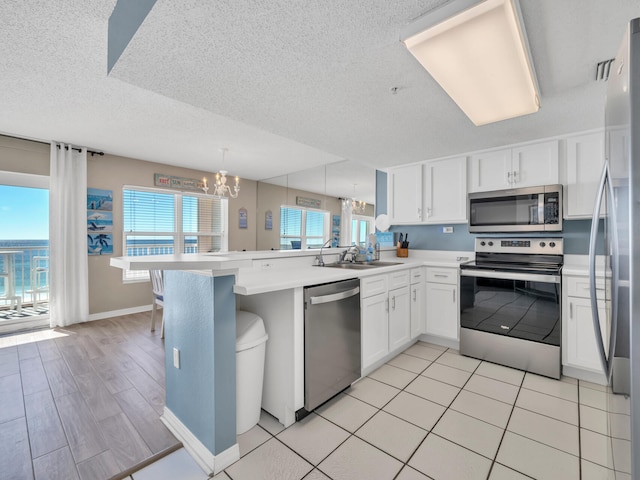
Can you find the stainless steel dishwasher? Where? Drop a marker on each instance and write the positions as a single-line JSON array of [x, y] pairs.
[[331, 340]]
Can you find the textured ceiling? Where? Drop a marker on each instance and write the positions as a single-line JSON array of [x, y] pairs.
[[285, 85]]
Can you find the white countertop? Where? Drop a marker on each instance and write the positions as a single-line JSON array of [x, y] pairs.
[[262, 272], [255, 281], [579, 265], [183, 261]]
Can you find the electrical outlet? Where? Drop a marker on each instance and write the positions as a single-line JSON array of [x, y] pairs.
[[176, 357], [267, 266], [447, 229]]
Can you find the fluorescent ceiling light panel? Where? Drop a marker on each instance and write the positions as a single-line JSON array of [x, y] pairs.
[[480, 57]]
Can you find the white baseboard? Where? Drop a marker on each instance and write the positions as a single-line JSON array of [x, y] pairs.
[[118, 313], [210, 463], [443, 342], [586, 375]]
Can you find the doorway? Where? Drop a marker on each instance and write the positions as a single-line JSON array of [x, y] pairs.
[[24, 252]]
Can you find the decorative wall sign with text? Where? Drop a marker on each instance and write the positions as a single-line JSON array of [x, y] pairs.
[[308, 202], [169, 181]]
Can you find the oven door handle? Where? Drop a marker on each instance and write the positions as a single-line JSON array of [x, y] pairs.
[[527, 277]]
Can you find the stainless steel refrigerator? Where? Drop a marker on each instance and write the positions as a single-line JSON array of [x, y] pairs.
[[615, 258]]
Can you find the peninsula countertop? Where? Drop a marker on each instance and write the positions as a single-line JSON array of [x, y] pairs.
[[272, 278]]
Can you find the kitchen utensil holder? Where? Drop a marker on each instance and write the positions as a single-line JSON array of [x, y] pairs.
[[402, 252]]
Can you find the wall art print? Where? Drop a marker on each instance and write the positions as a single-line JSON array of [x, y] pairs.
[[99, 221]]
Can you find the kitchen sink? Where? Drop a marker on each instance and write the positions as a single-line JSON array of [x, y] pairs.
[[361, 265]]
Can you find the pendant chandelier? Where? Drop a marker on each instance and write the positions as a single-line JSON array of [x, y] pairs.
[[220, 188], [357, 206]]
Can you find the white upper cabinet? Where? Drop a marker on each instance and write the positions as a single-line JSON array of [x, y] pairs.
[[445, 190], [431, 192], [585, 157], [404, 194], [489, 171], [524, 166]]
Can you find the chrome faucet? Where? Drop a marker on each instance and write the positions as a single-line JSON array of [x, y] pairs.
[[352, 250], [320, 258]]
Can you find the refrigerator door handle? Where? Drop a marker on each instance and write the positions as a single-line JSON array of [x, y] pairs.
[[603, 188]]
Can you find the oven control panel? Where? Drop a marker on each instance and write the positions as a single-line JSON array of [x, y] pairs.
[[541, 245]]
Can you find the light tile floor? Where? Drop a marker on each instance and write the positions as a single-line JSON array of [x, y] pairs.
[[432, 413]]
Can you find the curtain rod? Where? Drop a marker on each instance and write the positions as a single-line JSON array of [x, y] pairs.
[[92, 152]]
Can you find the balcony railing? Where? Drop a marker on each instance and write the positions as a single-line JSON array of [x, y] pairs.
[[24, 276]]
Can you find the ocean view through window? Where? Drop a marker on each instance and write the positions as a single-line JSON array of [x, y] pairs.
[[162, 222], [24, 253]]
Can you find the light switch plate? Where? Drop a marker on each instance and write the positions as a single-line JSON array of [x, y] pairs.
[[176, 357], [447, 229]]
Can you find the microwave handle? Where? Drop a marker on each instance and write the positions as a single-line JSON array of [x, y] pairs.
[[541, 219]]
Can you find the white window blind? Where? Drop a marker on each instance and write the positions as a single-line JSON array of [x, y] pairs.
[[302, 228], [157, 222]]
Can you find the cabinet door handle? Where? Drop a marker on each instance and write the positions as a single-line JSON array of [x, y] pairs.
[[386, 305], [419, 214], [439, 275], [454, 295], [509, 178], [393, 302], [515, 176], [571, 310], [414, 294]]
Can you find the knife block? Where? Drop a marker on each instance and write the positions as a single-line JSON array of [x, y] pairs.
[[402, 252]]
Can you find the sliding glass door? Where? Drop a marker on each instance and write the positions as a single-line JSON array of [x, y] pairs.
[[24, 252]]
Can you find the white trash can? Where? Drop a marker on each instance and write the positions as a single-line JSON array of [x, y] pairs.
[[251, 339]]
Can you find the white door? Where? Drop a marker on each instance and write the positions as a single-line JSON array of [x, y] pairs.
[[445, 190], [417, 309], [442, 317], [581, 340], [399, 318], [535, 164], [490, 171], [585, 158], [405, 194], [375, 329]]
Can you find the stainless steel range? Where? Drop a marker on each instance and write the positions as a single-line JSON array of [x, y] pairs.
[[510, 303]]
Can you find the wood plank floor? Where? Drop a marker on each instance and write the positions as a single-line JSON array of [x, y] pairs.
[[82, 402]]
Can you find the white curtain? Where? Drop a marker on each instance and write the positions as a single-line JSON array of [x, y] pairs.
[[346, 218], [69, 284]]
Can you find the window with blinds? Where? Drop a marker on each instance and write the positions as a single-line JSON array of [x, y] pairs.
[[302, 228], [157, 222], [360, 228]]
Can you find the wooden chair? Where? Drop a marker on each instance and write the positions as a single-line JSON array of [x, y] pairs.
[[157, 286]]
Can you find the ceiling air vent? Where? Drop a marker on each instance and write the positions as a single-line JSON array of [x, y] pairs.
[[602, 70]]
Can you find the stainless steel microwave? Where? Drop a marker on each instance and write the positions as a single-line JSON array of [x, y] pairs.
[[531, 209]]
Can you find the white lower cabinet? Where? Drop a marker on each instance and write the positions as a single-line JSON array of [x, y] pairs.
[[579, 339], [375, 329], [399, 318], [442, 303], [418, 293], [385, 315]]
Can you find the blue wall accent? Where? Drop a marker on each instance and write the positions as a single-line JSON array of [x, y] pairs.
[[200, 321], [430, 237], [126, 18], [381, 192]]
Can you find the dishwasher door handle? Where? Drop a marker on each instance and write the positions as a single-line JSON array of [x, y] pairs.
[[334, 297]]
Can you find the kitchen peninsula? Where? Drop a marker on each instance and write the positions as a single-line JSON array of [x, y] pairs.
[[202, 294]]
